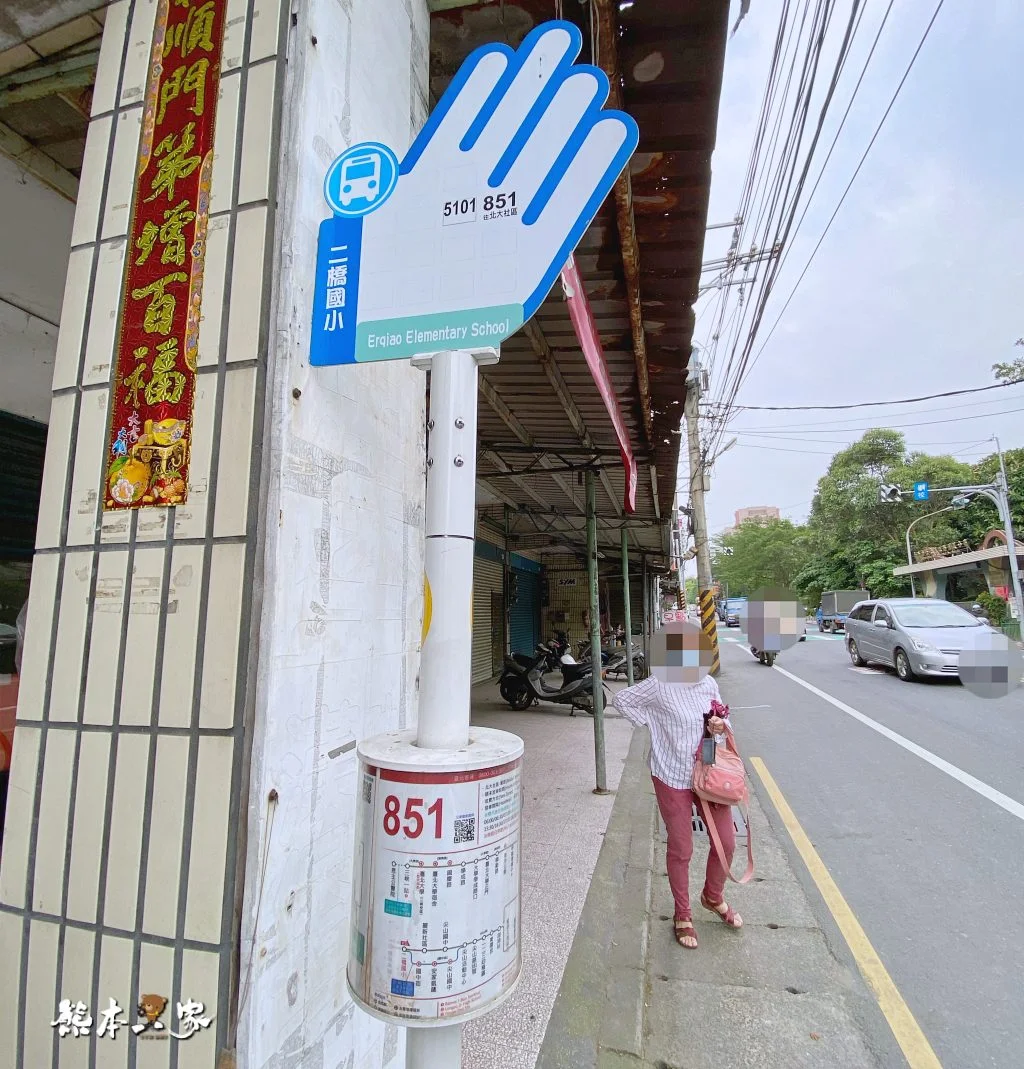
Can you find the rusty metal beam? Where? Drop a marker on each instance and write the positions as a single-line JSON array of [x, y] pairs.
[[540, 346], [504, 413], [518, 480], [608, 57], [515, 425], [494, 491]]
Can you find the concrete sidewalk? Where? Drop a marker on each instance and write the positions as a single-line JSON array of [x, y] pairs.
[[771, 996], [563, 830]]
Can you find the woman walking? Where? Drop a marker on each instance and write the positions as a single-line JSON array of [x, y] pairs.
[[678, 715]]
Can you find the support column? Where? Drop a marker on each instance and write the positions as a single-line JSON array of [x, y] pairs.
[[595, 636], [126, 831], [627, 617], [645, 591]]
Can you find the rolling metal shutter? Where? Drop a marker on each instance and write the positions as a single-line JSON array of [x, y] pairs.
[[22, 447], [524, 613], [488, 575]]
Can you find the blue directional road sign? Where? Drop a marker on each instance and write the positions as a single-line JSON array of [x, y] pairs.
[[456, 245], [920, 491]]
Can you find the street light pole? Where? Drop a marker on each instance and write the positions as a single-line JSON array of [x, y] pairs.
[[1011, 543], [910, 555]]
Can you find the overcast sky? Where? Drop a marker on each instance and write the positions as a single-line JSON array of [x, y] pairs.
[[918, 285]]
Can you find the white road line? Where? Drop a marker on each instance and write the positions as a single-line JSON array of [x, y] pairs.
[[1002, 800]]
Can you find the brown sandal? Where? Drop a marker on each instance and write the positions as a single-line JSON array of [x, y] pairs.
[[686, 930], [729, 917]]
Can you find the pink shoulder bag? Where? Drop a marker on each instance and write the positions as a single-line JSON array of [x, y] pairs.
[[724, 782]]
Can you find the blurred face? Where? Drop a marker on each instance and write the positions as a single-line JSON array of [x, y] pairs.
[[680, 653], [992, 670], [774, 620]]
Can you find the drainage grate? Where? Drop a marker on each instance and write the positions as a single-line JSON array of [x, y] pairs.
[[737, 821]]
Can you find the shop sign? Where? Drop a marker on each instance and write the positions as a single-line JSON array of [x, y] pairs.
[[158, 334]]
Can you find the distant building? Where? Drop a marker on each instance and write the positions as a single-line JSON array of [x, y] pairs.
[[757, 512]]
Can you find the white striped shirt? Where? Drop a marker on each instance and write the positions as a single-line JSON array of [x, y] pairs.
[[674, 714]]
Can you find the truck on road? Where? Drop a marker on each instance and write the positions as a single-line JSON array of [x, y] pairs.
[[835, 605]]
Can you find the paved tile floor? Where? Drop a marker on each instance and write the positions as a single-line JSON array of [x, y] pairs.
[[563, 829]]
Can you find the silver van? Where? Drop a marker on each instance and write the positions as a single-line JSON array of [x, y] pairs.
[[916, 636]]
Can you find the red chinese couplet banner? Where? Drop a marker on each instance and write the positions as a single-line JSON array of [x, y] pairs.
[[158, 335]]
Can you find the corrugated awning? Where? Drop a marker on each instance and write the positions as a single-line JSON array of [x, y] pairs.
[[543, 417]]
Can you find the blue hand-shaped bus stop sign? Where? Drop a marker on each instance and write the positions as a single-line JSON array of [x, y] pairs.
[[457, 246]]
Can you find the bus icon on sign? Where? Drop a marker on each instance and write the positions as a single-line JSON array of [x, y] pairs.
[[361, 179]]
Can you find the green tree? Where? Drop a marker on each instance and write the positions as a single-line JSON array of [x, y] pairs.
[[766, 553], [857, 538], [975, 521], [1013, 370], [691, 591]]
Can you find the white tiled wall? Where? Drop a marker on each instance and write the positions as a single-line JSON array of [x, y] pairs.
[[123, 598]]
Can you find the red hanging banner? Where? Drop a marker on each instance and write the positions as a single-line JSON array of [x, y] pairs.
[[158, 335]]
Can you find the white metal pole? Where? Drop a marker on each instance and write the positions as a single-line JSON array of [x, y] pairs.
[[1011, 544], [910, 560], [434, 1048], [446, 658], [910, 555]]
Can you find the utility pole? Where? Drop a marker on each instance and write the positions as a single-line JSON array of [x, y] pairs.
[[705, 597]]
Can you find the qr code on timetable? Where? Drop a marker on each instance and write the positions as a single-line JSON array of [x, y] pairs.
[[368, 789], [465, 829]]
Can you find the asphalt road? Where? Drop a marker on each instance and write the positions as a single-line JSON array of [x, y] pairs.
[[933, 870]]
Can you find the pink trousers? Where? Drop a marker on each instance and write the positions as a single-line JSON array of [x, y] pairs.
[[677, 811]]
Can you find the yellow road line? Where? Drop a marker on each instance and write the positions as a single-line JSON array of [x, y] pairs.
[[916, 1048]]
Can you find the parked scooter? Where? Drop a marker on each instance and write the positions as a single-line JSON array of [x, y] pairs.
[[556, 649], [511, 682], [550, 653], [522, 687], [616, 665], [584, 653], [764, 656]]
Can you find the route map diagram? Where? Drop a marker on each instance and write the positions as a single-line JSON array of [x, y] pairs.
[[439, 932]]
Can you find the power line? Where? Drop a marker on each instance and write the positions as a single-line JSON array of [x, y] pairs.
[[869, 404], [783, 449], [925, 423], [781, 437], [839, 130], [856, 423], [789, 206], [842, 199], [784, 199]]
